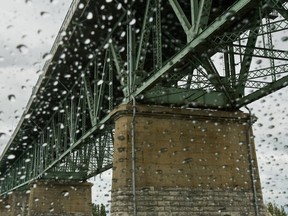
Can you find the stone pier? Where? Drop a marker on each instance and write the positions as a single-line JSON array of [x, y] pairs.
[[188, 162], [5, 206], [48, 198]]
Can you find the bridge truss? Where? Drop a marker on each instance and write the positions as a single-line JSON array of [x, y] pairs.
[[195, 54]]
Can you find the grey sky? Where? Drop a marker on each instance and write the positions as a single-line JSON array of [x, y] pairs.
[[33, 26]]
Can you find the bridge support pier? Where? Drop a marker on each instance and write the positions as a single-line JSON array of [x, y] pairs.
[[187, 162], [16, 204], [60, 199], [5, 207], [19, 203]]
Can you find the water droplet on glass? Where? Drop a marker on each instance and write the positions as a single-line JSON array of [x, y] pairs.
[[108, 1], [2, 134], [187, 160], [22, 48], [27, 160], [44, 14], [81, 6], [1, 58], [100, 82], [65, 193], [89, 16], [47, 56], [132, 22], [53, 2], [87, 41], [285, 38], [119, 6], [11, 97], [259, 61], [11, 157], [27, 116]]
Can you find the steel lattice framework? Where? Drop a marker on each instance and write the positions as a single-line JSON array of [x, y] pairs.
[[197, 53]]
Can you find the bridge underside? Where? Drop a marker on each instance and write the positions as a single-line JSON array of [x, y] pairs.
[[189, 54]]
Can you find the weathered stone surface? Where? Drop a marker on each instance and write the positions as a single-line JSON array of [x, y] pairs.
[[19, 203], [60, 198], [188, 162], [186, 201], [5, 207]]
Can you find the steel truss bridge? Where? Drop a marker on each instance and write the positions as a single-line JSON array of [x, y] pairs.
[[197, 53]]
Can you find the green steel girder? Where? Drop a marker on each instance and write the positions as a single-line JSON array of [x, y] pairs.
[[166, 54], [192, 97]]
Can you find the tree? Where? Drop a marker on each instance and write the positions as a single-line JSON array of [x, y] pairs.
[[98, 210], [275, 210]]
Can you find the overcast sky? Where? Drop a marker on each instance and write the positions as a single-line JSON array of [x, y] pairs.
[[28, 29]]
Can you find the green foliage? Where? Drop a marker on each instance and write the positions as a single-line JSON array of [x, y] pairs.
[[275, 210], [98, 210]]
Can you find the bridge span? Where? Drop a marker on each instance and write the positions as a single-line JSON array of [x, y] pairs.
[[152, 89]]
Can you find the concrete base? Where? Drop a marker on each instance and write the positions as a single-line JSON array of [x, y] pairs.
[[188, 162], [60, 199]]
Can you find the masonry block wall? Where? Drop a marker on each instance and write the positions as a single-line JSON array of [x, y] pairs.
[[188, 162], [5, 207], [48, 198]]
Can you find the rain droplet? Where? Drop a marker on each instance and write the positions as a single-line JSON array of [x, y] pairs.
[[1, 58], [123, 34], [11, 97], [27, 116], [259, 61], [187, 160], [89, 16], [53, 1], [132, 22], [285, 38], [100, 82], [65, 193], [2, 134], [119, 6], [159, 172], [47, 56], [44, 14], [87, 41], [81, 6], [108, 1], [22, 48], [11, 157]]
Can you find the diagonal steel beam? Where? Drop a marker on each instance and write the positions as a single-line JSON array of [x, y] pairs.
[[192, 46]]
